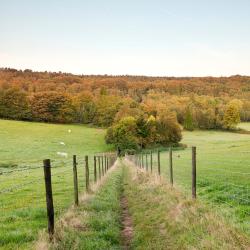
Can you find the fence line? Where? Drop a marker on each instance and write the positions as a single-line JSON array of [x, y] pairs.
[[105, 161], [213, 185]]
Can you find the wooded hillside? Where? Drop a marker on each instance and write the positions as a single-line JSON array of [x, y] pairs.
[[100, 100]]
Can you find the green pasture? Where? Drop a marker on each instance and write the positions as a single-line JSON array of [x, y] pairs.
[[223, 176], [23, 147]]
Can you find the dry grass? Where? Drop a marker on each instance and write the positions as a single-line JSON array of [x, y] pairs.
[[164, 219]]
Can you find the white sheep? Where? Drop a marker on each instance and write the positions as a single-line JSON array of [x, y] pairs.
[[62, 154]]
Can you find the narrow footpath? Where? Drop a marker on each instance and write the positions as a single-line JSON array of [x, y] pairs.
[[127, 227]]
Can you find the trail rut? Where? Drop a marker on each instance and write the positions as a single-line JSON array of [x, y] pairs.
[[127, 227]]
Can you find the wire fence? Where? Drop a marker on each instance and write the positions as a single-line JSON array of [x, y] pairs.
[[222, 178], [23, 193]]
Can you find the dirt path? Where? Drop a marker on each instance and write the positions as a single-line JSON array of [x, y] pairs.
[[127, 228]]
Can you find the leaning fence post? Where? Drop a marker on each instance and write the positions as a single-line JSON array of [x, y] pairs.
[[151, 161], [75, 180], [159, 162], [95, 172], [194, 172], [49, 196], [87, 172], [171, 166]]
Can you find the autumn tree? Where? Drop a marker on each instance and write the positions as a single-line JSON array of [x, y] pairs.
[[84, 107], [232, 116], [14, 104], [168, 129], [106, 108], [52, 107]]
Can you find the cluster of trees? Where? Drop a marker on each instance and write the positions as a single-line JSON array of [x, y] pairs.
[[118, 101], [143, 131]]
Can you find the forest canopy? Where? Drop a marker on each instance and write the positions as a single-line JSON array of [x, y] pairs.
[[145, 104]]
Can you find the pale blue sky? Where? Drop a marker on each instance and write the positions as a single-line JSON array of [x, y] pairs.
[[140, 37]]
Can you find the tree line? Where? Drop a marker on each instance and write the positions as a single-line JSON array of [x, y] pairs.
[[140, 107]]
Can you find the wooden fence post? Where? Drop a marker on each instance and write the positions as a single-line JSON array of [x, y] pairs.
[[99, 167], [159, 162], [171, 166], [102, 166], [75, 180], [151, 161], [49, 196], [147, 161], [87, 172], [142, 155], [105, 164], [194, 172], [95, 172], [107, 159]]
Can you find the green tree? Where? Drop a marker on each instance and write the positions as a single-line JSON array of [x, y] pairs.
[[123, 134]]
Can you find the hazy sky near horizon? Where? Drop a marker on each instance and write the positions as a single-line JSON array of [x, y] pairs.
[[138, 37]]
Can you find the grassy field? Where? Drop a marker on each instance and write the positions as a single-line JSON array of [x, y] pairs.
[[223, 176], [245, 126], [23, 147], [158, 217], [223, 172]]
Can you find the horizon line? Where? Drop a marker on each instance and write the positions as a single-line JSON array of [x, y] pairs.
[[120, 75]]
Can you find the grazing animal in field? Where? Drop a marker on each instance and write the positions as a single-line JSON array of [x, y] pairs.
[[62, 154]]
